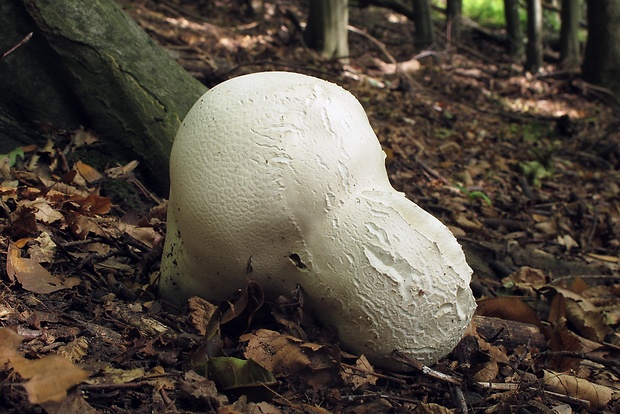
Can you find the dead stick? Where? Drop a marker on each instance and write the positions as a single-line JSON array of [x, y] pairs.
[[21, 42]]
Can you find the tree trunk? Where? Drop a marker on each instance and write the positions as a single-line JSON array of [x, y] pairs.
[[89, 63], [327, 28], [29, 83], [422, 19], [569, 40], [513, 28], [534, 36], [601, 64], [454, 10]]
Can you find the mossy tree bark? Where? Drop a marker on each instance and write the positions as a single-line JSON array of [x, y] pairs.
[[90, 64]]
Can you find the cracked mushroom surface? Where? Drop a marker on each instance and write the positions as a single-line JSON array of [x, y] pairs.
[[278, 177]]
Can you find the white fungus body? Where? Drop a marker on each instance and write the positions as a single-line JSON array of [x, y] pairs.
[[278, 177]]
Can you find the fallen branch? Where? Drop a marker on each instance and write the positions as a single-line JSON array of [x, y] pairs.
[[18, 45]]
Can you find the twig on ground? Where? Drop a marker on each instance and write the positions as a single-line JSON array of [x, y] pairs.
[[170, 407], [580, 355], [502, 386], [378, 395], [375, 374], [18, 45], [433, 173], [418, 366], [391, 58]]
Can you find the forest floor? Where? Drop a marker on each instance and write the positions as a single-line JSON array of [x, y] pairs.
[[524, 169]]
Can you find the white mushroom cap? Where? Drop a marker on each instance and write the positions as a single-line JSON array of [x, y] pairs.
[[278, 177]]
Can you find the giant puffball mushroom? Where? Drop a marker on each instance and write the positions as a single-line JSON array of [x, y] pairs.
[[279, 178]]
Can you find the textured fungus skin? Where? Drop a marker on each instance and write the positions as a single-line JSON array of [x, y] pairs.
[[279, 177]]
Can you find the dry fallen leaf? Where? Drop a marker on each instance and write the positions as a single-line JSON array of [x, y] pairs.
[[146, 235], [562, 339], [487, 372], [73, 404], [44, 212], [90, 174], [242, 405], [9, 341], [278, 353], [49, 377], [121, 171], [24, 222], [361, 375], [526, 275], [92, 204], [597, 395], [81, 225], [587, 319], [81, 137], [290, 357], [32, 276], [200, 311], [110, 375], [74, 350], [201, 389], [43, 250], [511, 308]]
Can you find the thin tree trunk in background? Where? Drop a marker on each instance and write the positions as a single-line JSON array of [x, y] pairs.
[[326, 31], [534, 36], [422, 19], [454, 11], [569, 39], [601, 63], [513, 29]]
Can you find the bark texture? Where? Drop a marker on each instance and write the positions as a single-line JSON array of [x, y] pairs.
[[534, 36], [98, 68], [513, 28], [569, 40], [423, 21], [601, 64], [454, 11], [326, 31]]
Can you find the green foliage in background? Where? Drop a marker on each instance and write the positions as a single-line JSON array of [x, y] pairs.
[[485, 12], [490, 13]]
